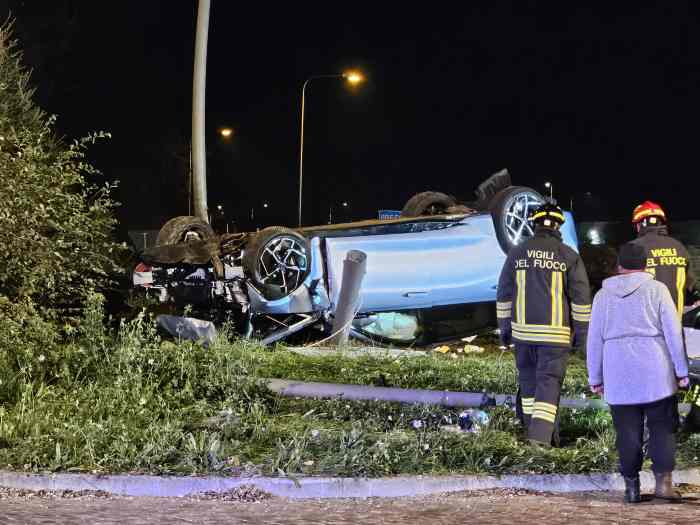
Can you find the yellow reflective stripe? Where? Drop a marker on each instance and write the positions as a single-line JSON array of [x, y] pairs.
[[503, 310], [546, 411], [581, 308], [539, 338], [560, 298], [553, 294], [527, 403], [680, 286], [543, 405], [520, 303], [542, 328], [583, 318], [544, 415], [548, 213]]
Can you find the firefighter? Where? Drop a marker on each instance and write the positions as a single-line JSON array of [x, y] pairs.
[[667, 259], [543, 305]]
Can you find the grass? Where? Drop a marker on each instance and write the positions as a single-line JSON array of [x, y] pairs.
[[129, 402]]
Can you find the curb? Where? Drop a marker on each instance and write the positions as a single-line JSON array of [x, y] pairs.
[[305, 488]]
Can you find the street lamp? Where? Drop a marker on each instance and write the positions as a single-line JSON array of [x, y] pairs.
[[353, 78], [226, 133], [343, 204], [551, 188], [252, 210]]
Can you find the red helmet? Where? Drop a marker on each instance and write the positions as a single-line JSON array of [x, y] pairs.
[[648, 209]]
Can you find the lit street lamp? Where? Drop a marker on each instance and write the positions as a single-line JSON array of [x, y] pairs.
[[551, 188], [252, 210], [226, 133], [343, 204], [353, 78]]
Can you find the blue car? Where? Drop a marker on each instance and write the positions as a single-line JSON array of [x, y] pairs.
[[439, 254]]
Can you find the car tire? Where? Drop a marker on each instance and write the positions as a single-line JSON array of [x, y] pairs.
[[428, 203], [509, 209], [265, 254], [176, 229]]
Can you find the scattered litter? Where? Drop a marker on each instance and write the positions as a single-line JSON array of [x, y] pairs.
[[442, 349], [242, 493], [417, 424], [7, 493], [473, 349], [473, 420], [450, 428], [469, 339]]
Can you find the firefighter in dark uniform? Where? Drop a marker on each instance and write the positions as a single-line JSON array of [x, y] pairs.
[[667, 259], [543, 305]]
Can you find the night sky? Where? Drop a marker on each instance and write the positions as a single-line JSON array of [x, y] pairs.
[[598, 101]]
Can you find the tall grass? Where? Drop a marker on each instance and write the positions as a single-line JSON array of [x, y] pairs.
[[126, 401]]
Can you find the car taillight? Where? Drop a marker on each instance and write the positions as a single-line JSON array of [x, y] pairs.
[[142, 267]]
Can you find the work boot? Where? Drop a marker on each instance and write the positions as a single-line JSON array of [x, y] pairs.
[[664, 487], [632, 490]]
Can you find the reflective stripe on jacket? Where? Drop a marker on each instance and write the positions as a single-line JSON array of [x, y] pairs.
[[668, 262], [543, 292]]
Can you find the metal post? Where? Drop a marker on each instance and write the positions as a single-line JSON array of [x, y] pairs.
[[301, 135], [198, 100], [301, 148], [354, 269]]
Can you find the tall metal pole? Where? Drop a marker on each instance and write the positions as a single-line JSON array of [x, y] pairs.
[[301, 148], [301, 136], [199, 173]]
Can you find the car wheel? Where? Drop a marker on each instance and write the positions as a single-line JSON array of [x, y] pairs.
[[511, 210], [428, 203], [183, 229], [277, 260]]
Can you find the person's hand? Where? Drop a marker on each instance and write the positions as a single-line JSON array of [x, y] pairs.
[[683, 382], [597, 389]]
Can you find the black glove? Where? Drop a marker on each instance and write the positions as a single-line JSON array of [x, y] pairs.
[[506, 337]]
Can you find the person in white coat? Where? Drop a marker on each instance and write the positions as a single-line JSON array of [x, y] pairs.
[[636, 358]]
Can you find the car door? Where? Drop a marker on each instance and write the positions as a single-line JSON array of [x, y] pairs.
[[452, 263]]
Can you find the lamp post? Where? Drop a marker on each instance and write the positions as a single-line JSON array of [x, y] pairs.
[[344, 204], [551, 189], [353, 77], [252, 210]]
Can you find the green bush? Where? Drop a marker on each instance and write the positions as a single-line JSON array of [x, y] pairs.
[[56, 225]]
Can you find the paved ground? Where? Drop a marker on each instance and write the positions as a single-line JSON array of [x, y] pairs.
[[497, 507]]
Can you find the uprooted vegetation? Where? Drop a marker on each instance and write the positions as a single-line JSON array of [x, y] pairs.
[[128, 401]]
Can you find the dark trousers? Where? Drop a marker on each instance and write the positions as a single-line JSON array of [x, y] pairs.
[[662, 421], [541, 371]]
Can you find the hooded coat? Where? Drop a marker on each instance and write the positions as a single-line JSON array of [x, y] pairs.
[[635, 344]]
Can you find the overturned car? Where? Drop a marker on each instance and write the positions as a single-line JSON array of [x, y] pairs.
[[278, 281]]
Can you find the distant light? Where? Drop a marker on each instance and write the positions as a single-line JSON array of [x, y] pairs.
[[226, 132], [345, 204], [265, 205], [354, 77], [219, 207], [547, 184], [594, 236]]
